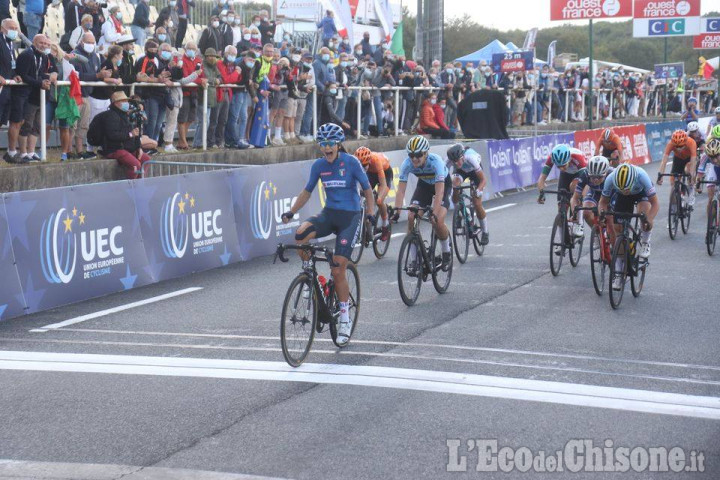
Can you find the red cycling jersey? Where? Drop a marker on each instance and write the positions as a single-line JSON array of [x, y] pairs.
[[577, 161]]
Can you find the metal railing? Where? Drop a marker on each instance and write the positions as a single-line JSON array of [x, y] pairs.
[[159, 168]]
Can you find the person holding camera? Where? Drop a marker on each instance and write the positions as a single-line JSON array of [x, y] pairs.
[[120, 138], [383, 78]]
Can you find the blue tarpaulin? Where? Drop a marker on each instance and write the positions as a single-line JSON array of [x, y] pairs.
[[485, 53]]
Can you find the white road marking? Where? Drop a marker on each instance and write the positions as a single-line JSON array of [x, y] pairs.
[[413, 344], [268, 347], [395, 235], [643, 401], [109, 311], [494, 209]]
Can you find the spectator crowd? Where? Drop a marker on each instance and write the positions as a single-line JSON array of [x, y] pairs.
[[259, 83]]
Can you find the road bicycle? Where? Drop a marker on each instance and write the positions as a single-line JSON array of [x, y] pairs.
[[599, 250], [561, 239], [418, 259], [311, 303], [625, 261], [713, 220], [370, 235], [678, 210], [466, 226]]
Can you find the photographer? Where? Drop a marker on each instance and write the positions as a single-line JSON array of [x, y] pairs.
[[120, 138], [383, 78]]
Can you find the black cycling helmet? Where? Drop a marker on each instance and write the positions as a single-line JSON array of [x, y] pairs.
[[455, 152]]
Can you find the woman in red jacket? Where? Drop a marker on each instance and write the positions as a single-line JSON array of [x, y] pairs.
[[429, 121]]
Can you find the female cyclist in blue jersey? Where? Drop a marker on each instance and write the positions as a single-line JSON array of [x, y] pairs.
[[433, 189], [340, 173]]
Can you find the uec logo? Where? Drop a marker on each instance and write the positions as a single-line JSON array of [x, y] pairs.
[[261, 210], [58, 245], [178, 223]]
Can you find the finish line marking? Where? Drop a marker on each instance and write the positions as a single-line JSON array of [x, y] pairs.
[[643, 401], [109, 311]]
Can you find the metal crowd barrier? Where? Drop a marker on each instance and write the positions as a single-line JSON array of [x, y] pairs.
[[159, 168]]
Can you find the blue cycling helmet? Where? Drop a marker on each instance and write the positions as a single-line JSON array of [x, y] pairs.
[[330, 132], [560, 155]]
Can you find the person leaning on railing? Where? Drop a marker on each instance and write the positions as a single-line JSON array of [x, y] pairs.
[[121, 139]]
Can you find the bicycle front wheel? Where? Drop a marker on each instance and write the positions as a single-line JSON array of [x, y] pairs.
[[440, 277], [557, 246], [576, 250], [685, 219], [410, 270], [673, 214], [618, 270], [597, 265], [479, 248], [380, 247], [353, 280], [712, 229], [359, 246], [299, 317], [638, 280], [461, 235]]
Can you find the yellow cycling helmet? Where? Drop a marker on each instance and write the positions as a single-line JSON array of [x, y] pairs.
[[625, 176]]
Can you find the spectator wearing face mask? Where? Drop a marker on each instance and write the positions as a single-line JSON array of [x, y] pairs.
[[345, 46], [342, 79], [267, 28], [290, 107], [428, 122], [409, 104], [233, 21], [225, 30], [278, 102], [255, 37], [168, 17], [161, 36], [379, 53], [306, 84], [112, 63], [87, 72], [244, 45], [127, 67], [183, 11], [11, 106], [328, 106], [86, 25], [141, 22], [113, 28], [327, 27], [150, 70], [367, 49], [37, 69], [229, 74], [211, 36], [324, 71]]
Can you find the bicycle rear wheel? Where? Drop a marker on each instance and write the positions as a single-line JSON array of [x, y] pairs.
[[359, 246], [597, 265], [619, 256], [353, 303], [685, 220], [299, 317], [557, 246], [409, 270], [638, 280], [479, 248], [712, 229], [673, 214], [441, 278], [461, 235], [380, 248]]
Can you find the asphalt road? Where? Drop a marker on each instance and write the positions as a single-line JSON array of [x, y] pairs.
[[510, 355]]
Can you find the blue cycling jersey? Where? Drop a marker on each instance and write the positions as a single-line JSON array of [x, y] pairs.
[[340, 179], [642, 184], [434, 171], [584, 180]]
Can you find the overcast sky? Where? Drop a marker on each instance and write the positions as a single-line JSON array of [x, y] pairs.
[[509, 14]]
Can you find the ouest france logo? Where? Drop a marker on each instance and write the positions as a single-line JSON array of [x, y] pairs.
[[182, 218], [100, 248]]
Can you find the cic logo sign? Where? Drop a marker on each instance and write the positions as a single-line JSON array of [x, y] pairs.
[[666, 27]]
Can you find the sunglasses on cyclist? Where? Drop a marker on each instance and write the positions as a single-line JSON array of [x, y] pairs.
[[416, 155], [328, 143]]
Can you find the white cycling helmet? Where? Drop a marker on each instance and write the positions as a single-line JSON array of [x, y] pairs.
[[598, 166], [693, 127], [717, 111]]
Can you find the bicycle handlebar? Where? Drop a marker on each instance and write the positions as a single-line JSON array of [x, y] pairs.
[[416, 209], [590, 209], [464, 187], [312, 249], [676, 175], [700, 182], [612, 213]]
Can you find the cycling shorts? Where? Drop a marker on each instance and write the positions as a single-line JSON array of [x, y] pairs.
[[626, 203], [424, 193], [473, 176], [345, 224], [679, 164], [608, 153], [375, 180]]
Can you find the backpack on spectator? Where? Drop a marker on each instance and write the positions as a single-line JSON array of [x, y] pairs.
[[95, 135]]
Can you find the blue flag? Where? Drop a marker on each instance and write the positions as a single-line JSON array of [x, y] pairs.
[[261, 119]]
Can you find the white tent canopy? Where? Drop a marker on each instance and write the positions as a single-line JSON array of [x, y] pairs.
[[597, 64]]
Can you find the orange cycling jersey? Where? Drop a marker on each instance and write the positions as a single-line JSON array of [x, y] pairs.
[[614, 144], [686, 152], [378, 164]]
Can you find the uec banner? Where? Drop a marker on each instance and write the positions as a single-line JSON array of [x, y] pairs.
[[12, 302], [75, 243], [187, 222]]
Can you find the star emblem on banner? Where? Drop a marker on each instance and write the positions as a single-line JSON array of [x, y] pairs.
[[68, 224], [181, 206]]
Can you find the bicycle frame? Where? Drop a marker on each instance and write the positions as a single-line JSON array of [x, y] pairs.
[[463, 202], [603, 235], [427, 216], [632, 233]]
